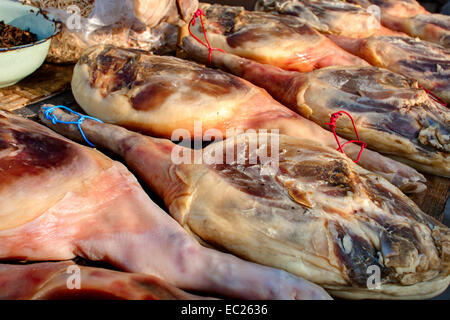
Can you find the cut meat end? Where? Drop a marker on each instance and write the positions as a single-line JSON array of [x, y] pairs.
[[155, 86], [281, 40]]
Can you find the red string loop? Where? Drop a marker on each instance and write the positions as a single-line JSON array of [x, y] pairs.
[[433, 96], [333, 119], [197, 14]]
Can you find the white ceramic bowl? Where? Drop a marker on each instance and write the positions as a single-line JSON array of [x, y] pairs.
[[18, 62]]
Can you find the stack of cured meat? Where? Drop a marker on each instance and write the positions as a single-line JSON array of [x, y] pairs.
[[347, 101]]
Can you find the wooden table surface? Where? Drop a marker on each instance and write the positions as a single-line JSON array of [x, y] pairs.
[[435, 198], [46, 82]]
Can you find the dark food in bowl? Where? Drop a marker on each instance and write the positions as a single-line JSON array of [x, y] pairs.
[[11, 36]]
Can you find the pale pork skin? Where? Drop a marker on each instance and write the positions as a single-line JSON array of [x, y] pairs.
[[158, 95], [393, 115], [281, 40], [316, 215], [61, 200], [426, 62], [51, 281]]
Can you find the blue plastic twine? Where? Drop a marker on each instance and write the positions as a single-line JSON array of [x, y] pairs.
[[48, 114]]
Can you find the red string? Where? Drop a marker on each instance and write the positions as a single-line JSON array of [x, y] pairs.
[[434, 97], [199, 13], [332, 125]]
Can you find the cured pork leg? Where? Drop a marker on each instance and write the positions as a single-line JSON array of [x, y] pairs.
[[330, 16], [411, 18], [159, 95], [423, 61], [316, 215], [393, 116], [431, 27], [63, 200], [399, 8], [281, 40], [52, 280], [326, 16]]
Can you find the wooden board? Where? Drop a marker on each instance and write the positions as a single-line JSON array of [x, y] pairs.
[[46, 82], [247, 4], [432, 201]]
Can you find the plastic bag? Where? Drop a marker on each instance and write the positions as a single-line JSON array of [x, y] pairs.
[[116, 22]]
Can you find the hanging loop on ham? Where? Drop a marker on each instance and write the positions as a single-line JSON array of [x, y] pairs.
[[334, 117], [433, 96], [48, 114], [198, 14]]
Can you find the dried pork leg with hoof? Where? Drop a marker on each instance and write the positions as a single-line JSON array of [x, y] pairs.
[[281, 40], [392, 114], [66, 280], [326, 16], [430, 27], [305, 208], [411, 18], [158, 95], [62, 200], [426, 62], [331, 17]]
